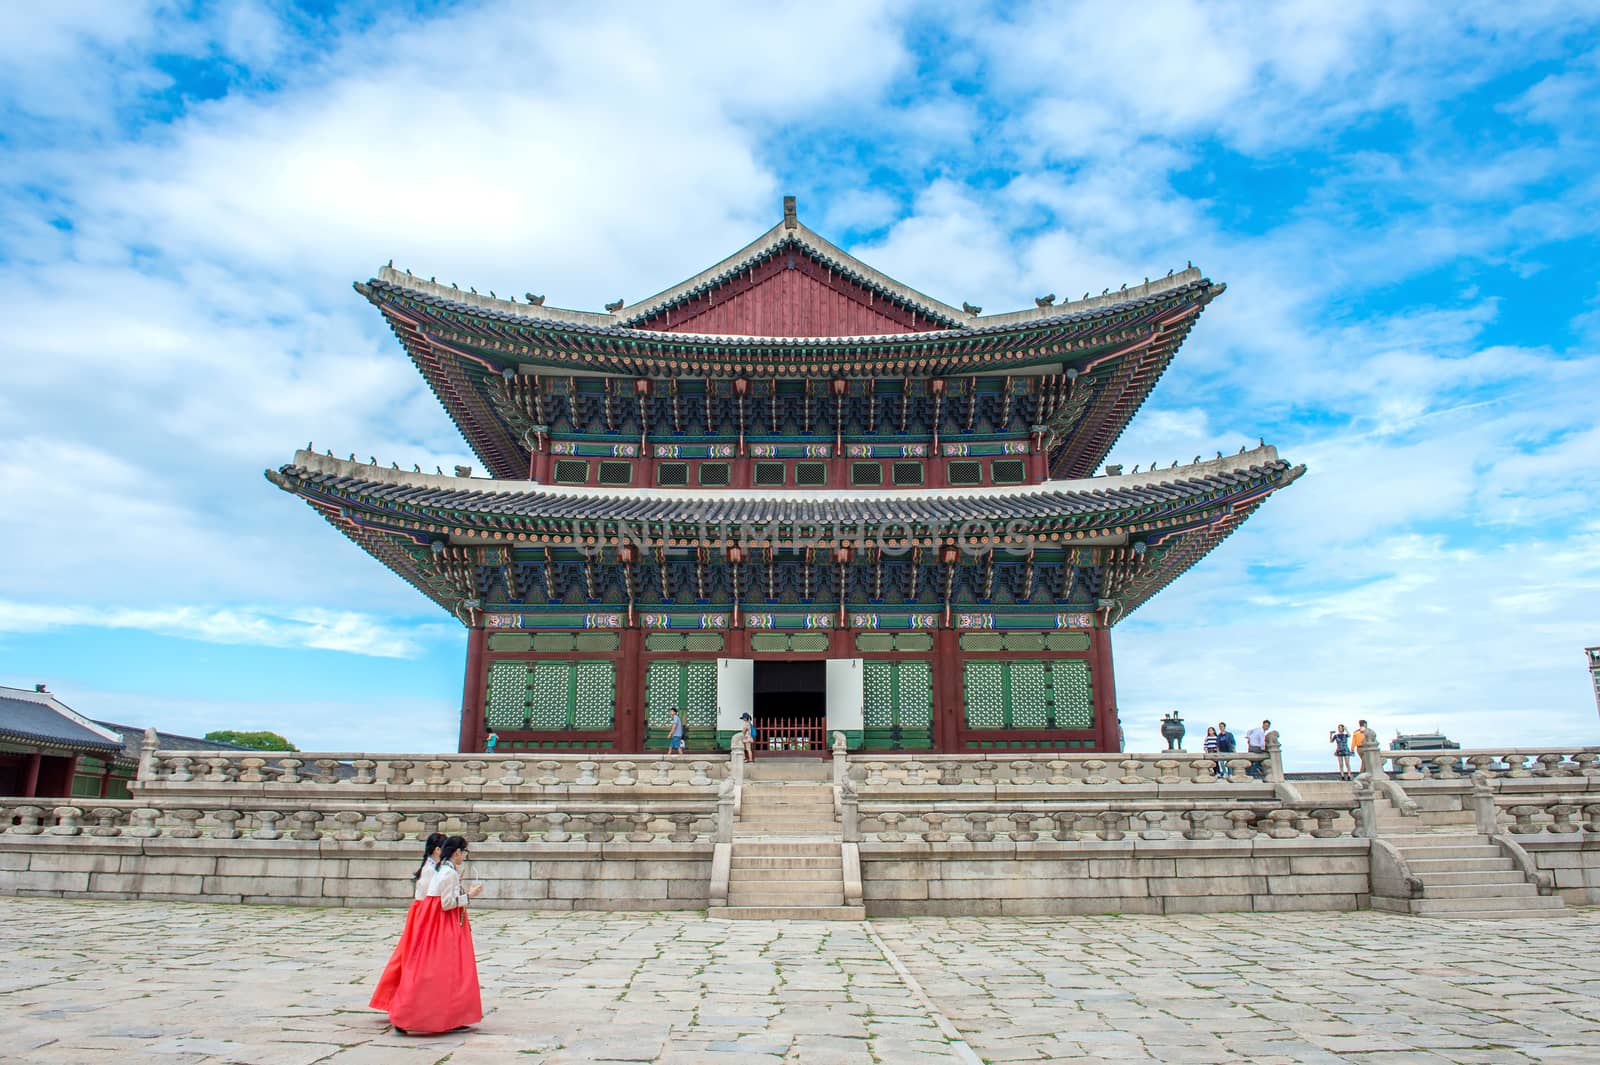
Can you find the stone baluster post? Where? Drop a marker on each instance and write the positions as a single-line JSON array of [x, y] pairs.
[[599, 830], [890, 832], [701, 775], [250, 770], [1065, 823], [516, 830], [349, 822], [1021, 772], [682, 827], [1483, 805], [736, 759], [1562, 816], [1131, 771], [69, 821], [147, 756], [188, 823], [1371, 756], [472, 823], [266, 824], [1274, 763], [307, 822], [849, 811], [1591, 817], [290, 770], [936, 833], [1524, 824], [1366, 811], [105, 821], [663, 777], [28, 821], [1199, 824], [511, 773], [227, 824], [625, 777], [640, 832], [557, 832], [1154, 824], [725, 812], [363, 771], [1111, 824], [389, 826]]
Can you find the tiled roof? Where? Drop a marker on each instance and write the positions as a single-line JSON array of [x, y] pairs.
[[40, 718], [133, 739], [399, 490]]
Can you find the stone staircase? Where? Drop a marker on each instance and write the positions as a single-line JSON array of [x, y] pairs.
[[1464, 875], [787, 858]]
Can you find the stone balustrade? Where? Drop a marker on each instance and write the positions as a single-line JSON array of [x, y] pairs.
[[681, 822], [1046, 770], [1526, 816], [1069, 823], [524, 773], [1497, 764]]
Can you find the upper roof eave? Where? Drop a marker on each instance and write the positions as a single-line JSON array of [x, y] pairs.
[[608, 326]]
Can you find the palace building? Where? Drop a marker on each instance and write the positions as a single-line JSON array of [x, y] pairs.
[[790, 486]]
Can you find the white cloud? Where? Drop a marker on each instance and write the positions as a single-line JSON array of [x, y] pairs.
[[321, 630]]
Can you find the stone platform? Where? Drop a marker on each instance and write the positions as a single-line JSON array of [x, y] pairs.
[[184, 984]]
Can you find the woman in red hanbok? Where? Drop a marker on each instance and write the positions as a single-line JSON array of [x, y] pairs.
[[438, 986], [421, 880]]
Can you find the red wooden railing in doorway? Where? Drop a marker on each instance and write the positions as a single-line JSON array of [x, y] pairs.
[[792, 735]]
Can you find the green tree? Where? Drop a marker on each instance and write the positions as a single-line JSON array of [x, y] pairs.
[[256, 741]]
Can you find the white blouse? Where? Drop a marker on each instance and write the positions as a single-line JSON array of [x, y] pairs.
[[447, 886], [424, 878]]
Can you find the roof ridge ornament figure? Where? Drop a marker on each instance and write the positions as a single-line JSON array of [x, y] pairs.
[[614, 306], [1044, 301], [537, 301]]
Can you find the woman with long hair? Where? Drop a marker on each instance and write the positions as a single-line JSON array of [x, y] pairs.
[[438, 987], [421, 880]]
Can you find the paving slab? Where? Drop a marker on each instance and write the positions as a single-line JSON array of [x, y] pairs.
[[179, 983]]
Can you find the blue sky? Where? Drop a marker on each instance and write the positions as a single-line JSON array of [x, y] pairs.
[[1402, 199]]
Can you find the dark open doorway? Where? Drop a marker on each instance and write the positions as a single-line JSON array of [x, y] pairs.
[[791, 707]]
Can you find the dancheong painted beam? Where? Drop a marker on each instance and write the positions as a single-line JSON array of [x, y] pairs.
[[795, 487]]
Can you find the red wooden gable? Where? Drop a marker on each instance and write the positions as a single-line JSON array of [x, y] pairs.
[[789, 294]]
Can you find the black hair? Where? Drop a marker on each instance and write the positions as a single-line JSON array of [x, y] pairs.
[[434, 841], [451, 846]]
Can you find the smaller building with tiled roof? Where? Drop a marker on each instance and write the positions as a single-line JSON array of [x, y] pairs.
[[49, 750]]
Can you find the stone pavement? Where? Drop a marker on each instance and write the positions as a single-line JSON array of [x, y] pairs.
[[176, 983]]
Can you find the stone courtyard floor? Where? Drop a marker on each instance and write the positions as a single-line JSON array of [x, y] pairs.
[[174, 983]]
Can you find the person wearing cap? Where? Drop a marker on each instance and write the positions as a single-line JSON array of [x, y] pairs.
[[749, 735]]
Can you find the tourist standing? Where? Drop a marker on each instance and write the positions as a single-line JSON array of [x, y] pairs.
[[749, 735], [1341, 750], [421, 880], [675, 733], [1226, 745], [1211, 751], [1256, 741], [438, 988], [491, 743]]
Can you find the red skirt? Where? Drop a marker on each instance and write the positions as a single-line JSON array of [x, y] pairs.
[[431, 981]]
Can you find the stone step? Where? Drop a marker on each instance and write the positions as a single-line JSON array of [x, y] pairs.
[[817, 822], [786, 861], [1519, 889], [789, 913], [1492, 915], [1413, 852], [753, 805], [1476, 876], [774, 848], [811, 834], [1424, 866], [807, 769], [794, 893], [785, 874], [1427, 906]]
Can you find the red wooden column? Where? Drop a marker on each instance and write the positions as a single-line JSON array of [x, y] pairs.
[[1104, 684], [474, 729], [630, 718], [30, 776], [947, 695]]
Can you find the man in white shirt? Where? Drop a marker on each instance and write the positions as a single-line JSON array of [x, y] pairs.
[[1256, 740]]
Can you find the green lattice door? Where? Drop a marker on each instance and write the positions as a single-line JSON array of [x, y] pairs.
[[1027, 694], [898, 711], [551, 696], [692, 688]]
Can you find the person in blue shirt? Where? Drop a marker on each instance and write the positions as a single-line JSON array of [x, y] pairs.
[[675, 733], [490, 743], [1226, 745]]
